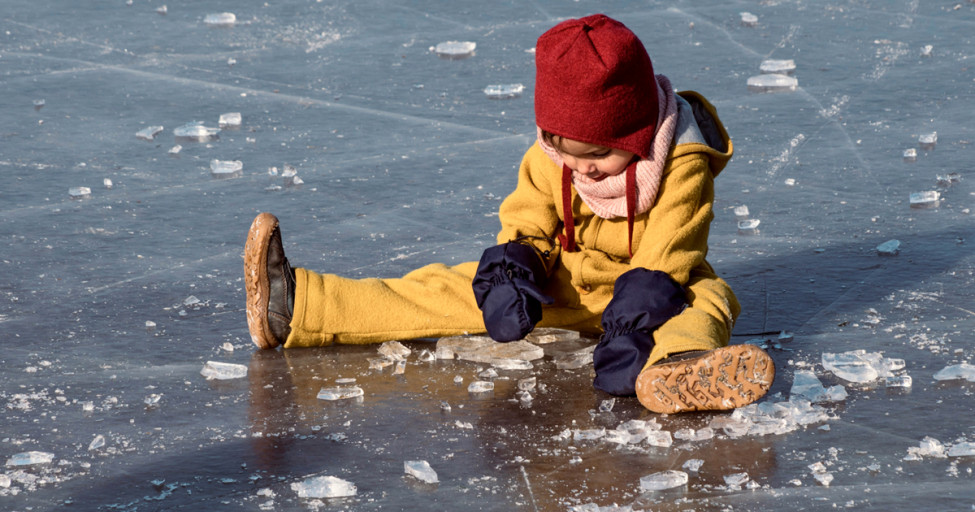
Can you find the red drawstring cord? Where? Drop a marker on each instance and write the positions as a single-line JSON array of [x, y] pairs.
[[568, 239]]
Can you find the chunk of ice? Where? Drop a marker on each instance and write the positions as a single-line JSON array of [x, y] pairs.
[[527, 384], [79, 192], [898, 381], [96, 443], [230, 120], [226, 168], [588, 434], [661, 438], [107, 183], [194, 131], [889, 248], [511, 364], [30, 458], [736, 479], [149, 133], [162, 10], [504, 91], [421, 470], [748, 226], [214, 370], [748, 19], [858, 366], [741, 212], [963, 449], [545, 335], [925, 199], [220, 19], [772, 82], [394, 350], [956, 372], [926, 50], [807, 385], [39, 104], [783, 66], [928, 447], [910, 155], [824, 478], [340, 393], [663, 480], [480, 386], [324, 487], [174, 151], [607, 405], [454, 50], [693, 465], [574, 360], [482, 349], [927, 140]]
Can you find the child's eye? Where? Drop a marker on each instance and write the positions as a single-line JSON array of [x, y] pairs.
[[599, 154]]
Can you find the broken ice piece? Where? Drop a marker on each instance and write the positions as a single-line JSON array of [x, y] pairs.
[[454, 50], [229, 120], [527, 384], [220, 19], [607, 405], [79, 192], [741, 212], [956, 372], [772, 82], [806, 384], [426, 355], [782, 66], [889, 248], [574, 360], [947, 180], [926, 50], [149, 133], [421, 470], [340, 393], [736, 479], [545, 335], [214, 370], [162, 10], [504, 91], [152, 400], [928, 140], [910, 155], [663, 480], [174, 151], [394, 350], [30, 458], [480, 386], [39, 104], [693, 465], [824, 478], [748, 227], [588, 434], [150, 324], [963, 449], [482, 349], [748, 19], [661, 438], [400, 367], [898, 381], [511, 364], [926, 199], [107, 183], [324, 487], [852, 366], [226, 168], [194, 131], [96, 443]]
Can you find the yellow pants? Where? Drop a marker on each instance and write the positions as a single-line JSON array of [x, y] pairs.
[[437, 300]]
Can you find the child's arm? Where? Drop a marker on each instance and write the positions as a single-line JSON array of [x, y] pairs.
[[528, 214]]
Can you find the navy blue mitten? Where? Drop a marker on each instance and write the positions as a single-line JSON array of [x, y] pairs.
[[642, 301], [507, 287]]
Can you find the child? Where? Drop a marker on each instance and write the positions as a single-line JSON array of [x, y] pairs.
[[606, 231]]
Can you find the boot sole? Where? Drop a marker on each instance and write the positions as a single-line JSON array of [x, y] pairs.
[[721, 379], [256, 282]]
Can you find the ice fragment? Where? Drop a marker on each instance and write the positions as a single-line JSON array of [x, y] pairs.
[[324, 487], [898, 381], [194, 131], [504, 91], [860, 366], [772, 82], [663, 480], [736, 480], [574, 360], [96, 443], [748, 19], [910, 155], [957, 371], [963, 449], [79, 192], [340, 393], [214, 370], [782, 66], [607, 405], [545, 335], [805, 384], [928, 140], [162, 10], [889, 248], [107, 183], [661, 438], [741, 212], [482, 349], [30, 458], [174, 151], [220, 19], [39, 104], [229, 120], [421, 470], [925, 199], [394, 350], [588, 434], [454, 50], [226, 168], [480, 386], [693, 465], [748, 226], [511, 364], [149, 133]]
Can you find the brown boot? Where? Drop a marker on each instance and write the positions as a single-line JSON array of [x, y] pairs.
[[714, 380], [270, 284]]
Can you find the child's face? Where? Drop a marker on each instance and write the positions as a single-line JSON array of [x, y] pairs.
[[594, 162]]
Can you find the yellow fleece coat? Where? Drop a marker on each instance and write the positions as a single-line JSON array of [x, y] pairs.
[[437, 300]]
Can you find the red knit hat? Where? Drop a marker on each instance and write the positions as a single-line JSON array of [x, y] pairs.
[[594, 83]]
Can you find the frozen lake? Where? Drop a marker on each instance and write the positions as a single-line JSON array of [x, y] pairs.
[[122, 259]]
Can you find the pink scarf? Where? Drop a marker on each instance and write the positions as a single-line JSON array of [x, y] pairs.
[[629, 193]]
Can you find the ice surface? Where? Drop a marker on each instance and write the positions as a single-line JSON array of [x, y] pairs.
[[772, 82], [405, 162], [216, 370], [663, 480], [324, 487], [963, 371], [421, 470]]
